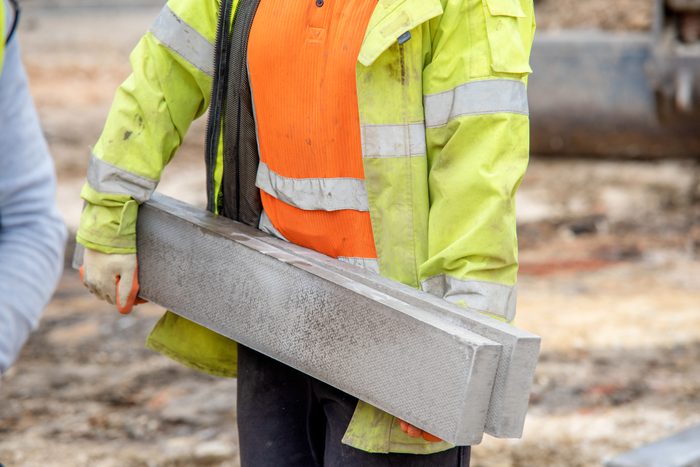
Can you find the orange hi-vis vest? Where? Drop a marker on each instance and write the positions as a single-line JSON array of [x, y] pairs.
[[301, 61]]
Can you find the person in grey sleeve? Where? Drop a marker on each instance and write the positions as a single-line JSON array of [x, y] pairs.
[[32, 233]]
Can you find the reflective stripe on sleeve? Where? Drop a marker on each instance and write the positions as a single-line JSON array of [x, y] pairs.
[[369, 264], [487, 297], [314, 194], [173, 32], [393, 140], [476, 98], [107, 178]]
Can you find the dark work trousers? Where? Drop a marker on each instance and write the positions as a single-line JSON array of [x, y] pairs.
[[289, 419]]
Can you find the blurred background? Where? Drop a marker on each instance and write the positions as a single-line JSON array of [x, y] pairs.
[[609, 218]]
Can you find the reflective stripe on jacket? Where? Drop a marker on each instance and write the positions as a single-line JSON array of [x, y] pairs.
[[444, 120]]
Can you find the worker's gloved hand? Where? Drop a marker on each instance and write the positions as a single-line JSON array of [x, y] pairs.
[[415, 432], [113, 278]]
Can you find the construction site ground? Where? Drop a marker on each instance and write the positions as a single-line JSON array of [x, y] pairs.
[[610, 279]]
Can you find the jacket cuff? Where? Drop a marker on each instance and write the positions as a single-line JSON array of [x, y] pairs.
[[107, 249], [108, 227]]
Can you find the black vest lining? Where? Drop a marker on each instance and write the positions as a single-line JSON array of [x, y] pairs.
[[239, 198]]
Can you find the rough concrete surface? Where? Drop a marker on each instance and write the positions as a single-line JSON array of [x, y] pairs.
[[371, 343], [609, 278]]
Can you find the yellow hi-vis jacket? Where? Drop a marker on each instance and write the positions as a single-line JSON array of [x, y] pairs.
[[444, 120], [2, 33]]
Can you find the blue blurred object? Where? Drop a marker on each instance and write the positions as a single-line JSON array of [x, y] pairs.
[[32, 233]]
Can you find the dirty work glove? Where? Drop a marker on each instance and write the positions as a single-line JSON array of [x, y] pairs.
[[113, 278], [414, 432]]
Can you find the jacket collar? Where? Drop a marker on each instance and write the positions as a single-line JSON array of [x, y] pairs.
[[391, 19]]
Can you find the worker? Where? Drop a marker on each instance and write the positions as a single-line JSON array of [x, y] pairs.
[[390, 134], [32, 234]]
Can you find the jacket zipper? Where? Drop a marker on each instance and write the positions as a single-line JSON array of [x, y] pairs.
[[218, 97]]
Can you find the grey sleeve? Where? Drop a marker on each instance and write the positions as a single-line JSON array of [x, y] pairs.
[[32, 233]]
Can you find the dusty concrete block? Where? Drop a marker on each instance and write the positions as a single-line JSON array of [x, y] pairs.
[[413, 361]]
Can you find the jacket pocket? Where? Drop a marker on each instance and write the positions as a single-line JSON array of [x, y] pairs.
[[507, 26]]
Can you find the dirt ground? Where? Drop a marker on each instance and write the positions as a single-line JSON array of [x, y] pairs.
[[620, 15], [609, 278]]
